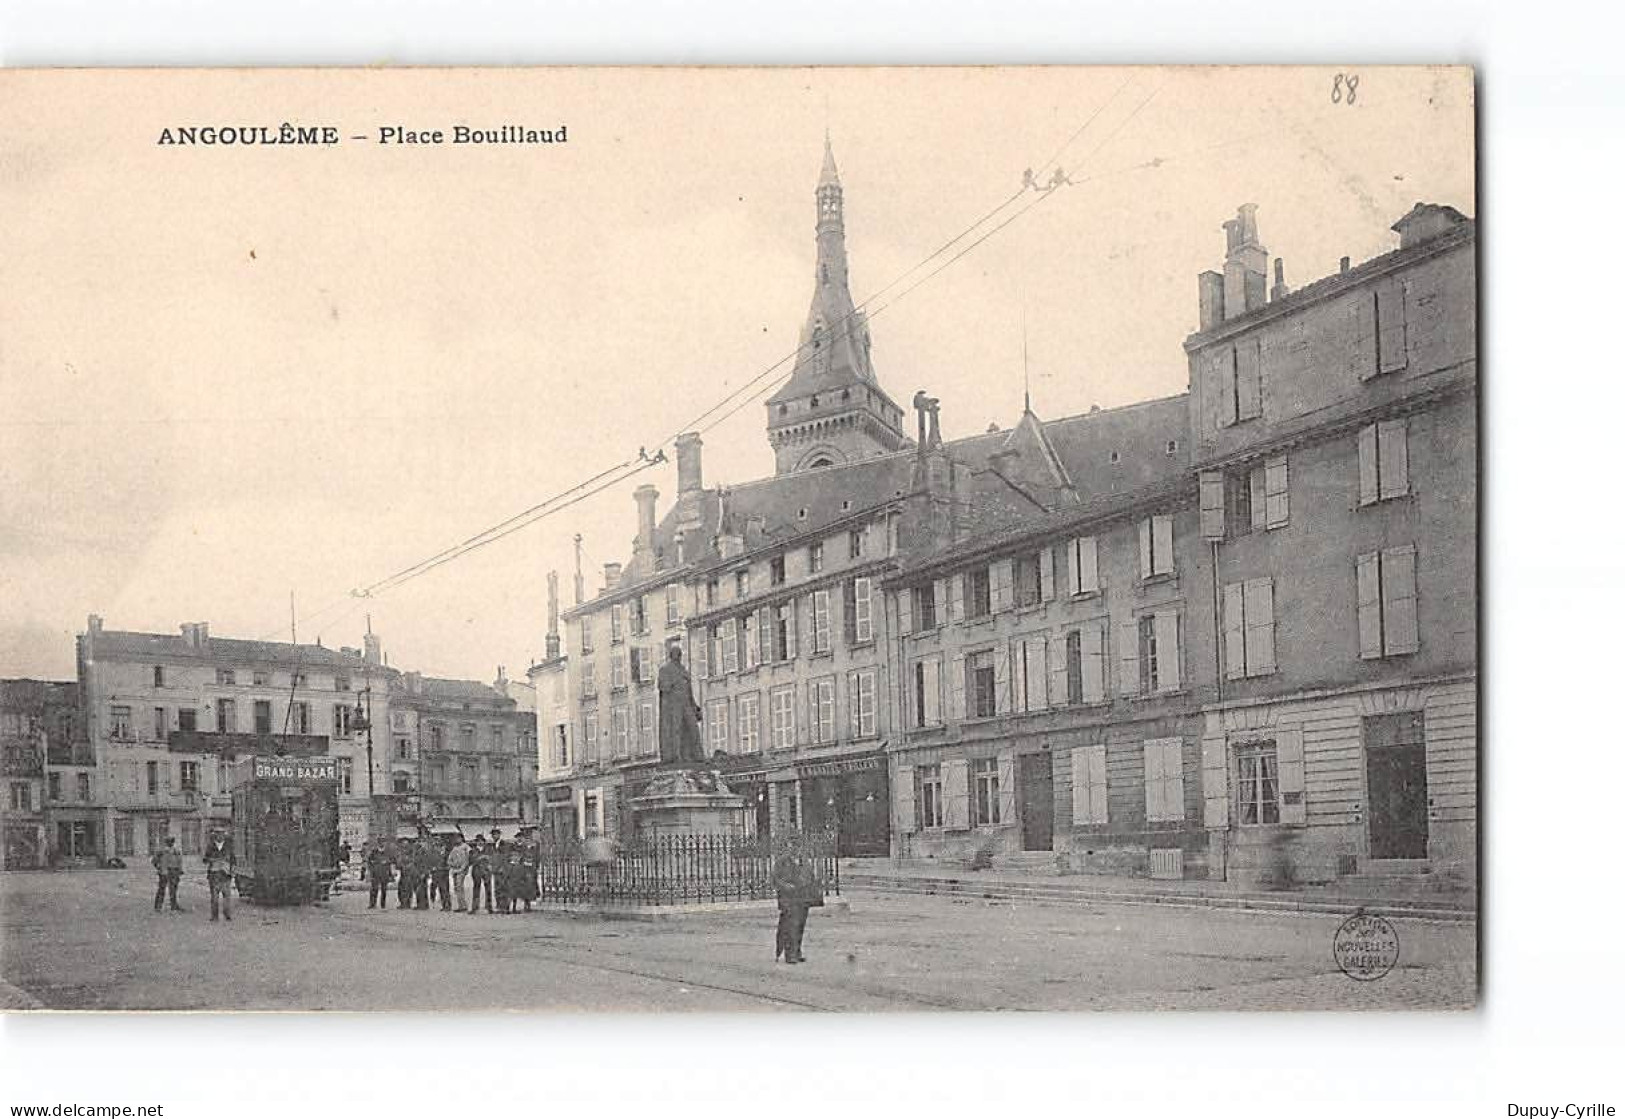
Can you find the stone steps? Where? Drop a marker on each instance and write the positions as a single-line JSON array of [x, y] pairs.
[[1087, 894]]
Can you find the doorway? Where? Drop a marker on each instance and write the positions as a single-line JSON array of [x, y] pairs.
[[1037, 803], [1397, 785]]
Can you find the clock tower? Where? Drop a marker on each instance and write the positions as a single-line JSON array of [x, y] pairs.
[[832, 409]]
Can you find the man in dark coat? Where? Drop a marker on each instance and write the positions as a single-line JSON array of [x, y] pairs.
[[526, 861], [479, 868], [679, 714], [442, 873], [406, 861], [797, 887], [423, 867], [378, 874], [502, 871]]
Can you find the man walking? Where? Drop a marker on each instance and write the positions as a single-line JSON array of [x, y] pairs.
[[219, 863], [406, 863], [423, 867], [378, 875], [167, 862], [442, 873], [457, 870]]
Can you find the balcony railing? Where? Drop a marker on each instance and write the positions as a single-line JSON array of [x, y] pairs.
[[168, 800], [230, 744]]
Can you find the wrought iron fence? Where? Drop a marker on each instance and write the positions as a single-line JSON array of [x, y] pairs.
[[676, 870]]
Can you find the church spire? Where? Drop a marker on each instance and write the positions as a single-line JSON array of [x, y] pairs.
[[833, 376]]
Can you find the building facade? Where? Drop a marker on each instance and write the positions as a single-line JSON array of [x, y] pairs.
[[463, 753], [1230, 633], [48, 776], [165, 715]]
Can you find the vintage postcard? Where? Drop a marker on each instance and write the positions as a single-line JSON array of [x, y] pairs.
[[792, 539]]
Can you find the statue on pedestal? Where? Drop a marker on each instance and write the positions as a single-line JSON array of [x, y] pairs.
[[679, 714]]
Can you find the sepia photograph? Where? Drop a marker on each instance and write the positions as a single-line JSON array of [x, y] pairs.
[[794, 539]]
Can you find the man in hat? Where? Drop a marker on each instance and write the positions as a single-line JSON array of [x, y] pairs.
[[167, 862], [457, 856], [220, 864], [378, 874], [502, 871], [479, 865]]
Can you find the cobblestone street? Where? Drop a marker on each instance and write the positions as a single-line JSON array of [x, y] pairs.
[[90, 940]]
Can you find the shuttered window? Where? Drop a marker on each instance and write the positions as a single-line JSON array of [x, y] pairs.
[[820, 636], [1386, 597], [823, 709], [1156, 546], [750, 723], [926, 693], [716, 725], [1029, 675], [1164, 779], [1385, 469], [861, 699], [1249, 628], [1083, 565], [1089, 802], [782, 703], [863, 623]]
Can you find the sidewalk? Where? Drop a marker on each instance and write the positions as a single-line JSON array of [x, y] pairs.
[[1403, 896]]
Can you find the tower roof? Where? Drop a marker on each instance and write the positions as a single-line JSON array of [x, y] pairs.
[[829, 175]]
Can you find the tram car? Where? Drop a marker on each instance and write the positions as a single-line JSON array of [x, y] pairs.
[[284, 828]]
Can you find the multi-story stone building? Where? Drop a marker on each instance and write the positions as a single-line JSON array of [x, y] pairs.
[[165, 714], [1230, 632], [1333, 430], [48, 776], [461, 752]]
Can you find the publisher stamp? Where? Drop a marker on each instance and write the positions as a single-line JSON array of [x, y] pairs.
[[1366, 947]]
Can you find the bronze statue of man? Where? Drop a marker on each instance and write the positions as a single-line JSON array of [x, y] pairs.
[[679, 714]]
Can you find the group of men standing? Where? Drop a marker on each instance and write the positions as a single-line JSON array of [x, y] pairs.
[[426, 869]]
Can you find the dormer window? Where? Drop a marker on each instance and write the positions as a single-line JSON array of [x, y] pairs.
[[1115, 458]]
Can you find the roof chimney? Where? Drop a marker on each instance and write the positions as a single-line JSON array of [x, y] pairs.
[[1244, 263], [552, 615], [645, 496], [1209, 299], [1280, 290], [195, 634], [581, 583], [1426, 221], [689, 475], [94, 623], [372, 648], [612, 576]]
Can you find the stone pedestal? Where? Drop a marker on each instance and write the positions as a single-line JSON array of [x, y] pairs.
[[687, 801]]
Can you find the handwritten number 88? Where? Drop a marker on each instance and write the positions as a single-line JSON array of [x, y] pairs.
[[1344, 88]]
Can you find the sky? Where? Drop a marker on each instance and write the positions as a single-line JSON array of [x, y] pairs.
[[231, 376]]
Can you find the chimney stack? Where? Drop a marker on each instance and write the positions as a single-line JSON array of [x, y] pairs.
[[1210, 299], [645, 496], [581, 584], [372, 649], [413, 681], [612, 576], [1280, 290], [1245, 262], [552, 615], [195, 634], [689, 476], [1343, 265], [93, 624]]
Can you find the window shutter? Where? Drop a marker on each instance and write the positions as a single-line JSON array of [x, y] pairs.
[[1099, 811], [905, 611], [1152, 753], [1018, 675], [905, 799], [800, 701], [1046, 574], [1128, 659], [1080, 785], [1162, 530], [1289, 757], [939, 601], [854, 709], [1225, 366], [1277, 505], [1145, 548], [1249, 380], [931, 685], [1066, 568], [1399, 631], [1037, 674], [1256, 499], [1390, 325], [1211, 484], [956, 598], [1369, 602], [1260, 621], [956, 794], [1168, 653], [1001, 684], [764, 635], [1393, 459], [1088, 565], [849, 612], [1363, 351], [1003, 574], [791, 616], [1368, 464], [1235, 650], [1094, 662], [1055, 657], [956, 688], [1007, 788], [1215, 784]]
